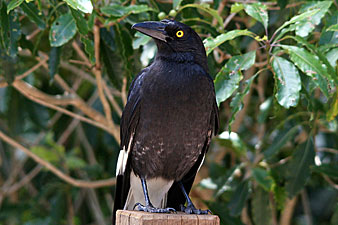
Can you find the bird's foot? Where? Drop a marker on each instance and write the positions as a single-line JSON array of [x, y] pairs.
[[152, 209], [191, 209]]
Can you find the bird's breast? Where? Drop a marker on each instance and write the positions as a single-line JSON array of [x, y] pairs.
[[174, 120]]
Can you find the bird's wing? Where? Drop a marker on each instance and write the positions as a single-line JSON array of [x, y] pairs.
[[129, 121], [175, 196]]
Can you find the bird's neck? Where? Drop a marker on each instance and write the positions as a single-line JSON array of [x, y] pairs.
[[183, 57]]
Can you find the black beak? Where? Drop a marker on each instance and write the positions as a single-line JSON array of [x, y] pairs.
[[153, 29]]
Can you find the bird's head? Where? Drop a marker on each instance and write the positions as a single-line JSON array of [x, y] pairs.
[[173, 37]]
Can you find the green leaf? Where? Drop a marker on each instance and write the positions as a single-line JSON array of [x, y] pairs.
[[108, 37], [293, 20], [10, 31], [236, 103], [208, 184], [282, 3], [80, 21], [329, 37], [239, 198], [299, 167], [63, 29], [261, 210], [264, 109], [4, 26], [141, 39], [333, 110], [263, 178], [89, 48], [59, 149], [280, 195], [73, 162], [306, 26], [318, 53], [220, 209], [124, 43], [110, 57], [34, 14], [118, 10], [176, 4], [211, 43], [227, 80], [310, 65], [206, 8], [280, 141], [332, 56], [332, 28], [116, 49], [54, 61], [330, 170], [232, 141], [235, 8], [334, 218], [13, 4], [259, 12], [91, 20], [14, 34], [288, 82], [82, 5], [46, 154], [15, 113]]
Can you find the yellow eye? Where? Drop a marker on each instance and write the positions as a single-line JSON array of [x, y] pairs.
[[179, 33]]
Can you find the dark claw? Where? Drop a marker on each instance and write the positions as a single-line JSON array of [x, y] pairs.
[[152, 209], [190, 209]]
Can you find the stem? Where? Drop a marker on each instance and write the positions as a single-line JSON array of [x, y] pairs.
[[56, 171]]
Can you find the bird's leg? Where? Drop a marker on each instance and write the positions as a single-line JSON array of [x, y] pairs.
[[149, 207], [190, 209]]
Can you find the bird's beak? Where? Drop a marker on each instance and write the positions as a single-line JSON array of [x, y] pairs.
[[153, 29]]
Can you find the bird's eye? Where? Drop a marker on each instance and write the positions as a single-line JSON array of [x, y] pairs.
[[179, 33]]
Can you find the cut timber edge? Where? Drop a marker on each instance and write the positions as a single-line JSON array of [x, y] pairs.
[[126, 217]]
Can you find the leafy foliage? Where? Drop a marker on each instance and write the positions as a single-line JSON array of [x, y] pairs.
[[65, 69]]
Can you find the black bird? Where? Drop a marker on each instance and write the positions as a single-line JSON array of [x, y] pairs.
[[167, 123]]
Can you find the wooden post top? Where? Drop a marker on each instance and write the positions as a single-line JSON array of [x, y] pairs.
[[125, 217]]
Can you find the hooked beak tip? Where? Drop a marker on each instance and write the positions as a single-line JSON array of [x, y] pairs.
[[153, 29]]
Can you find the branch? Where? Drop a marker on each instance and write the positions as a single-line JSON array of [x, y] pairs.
[[75, 70], [25, 74], [24, 180], [286, 215], [306, 207], [124, 91], [219, 11], [75, 122], [86, 145], [228, 19], [273, 209], [112, 100], [327, 178], [100, 82], [330, 150], [56, 171], [50, 101], [98, 75]]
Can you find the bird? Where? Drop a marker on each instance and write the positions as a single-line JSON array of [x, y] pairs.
[[167, 123]]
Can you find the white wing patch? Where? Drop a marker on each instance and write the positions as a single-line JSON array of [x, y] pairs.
[[123, 158], [201, 163]]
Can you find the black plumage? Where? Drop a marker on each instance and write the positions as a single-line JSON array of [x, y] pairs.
[[167, 123]]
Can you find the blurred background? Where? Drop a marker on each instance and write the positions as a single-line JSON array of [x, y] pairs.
[[65, 70]]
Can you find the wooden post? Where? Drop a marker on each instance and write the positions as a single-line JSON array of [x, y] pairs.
[[125, 217]]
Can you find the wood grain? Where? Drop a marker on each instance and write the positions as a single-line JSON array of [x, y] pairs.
[[125, 217]]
